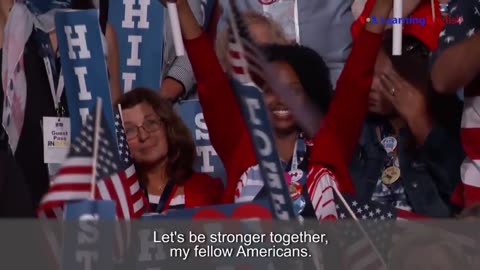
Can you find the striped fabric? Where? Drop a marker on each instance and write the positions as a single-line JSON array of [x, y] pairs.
[[320, 189], [116, 176], [249, 185], [470, 133], [116, 181], [177, 202], [123, 187], [245, 58], [468, 13], [320, 183]]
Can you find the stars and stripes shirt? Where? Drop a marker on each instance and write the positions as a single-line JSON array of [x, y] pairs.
[[177, 202], [468, 24]]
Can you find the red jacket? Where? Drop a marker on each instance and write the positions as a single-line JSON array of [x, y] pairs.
[[334, 144], [200, 190]]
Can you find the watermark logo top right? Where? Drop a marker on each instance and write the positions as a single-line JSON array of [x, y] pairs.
[[422, 21]]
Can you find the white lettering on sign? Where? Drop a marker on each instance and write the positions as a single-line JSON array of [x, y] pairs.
[[201, 132], [87, 257], [134, 59], [83, 53], [265, 146], [84, 112], [146, 245], [88, 235], [130, 12], [82, 84], [80, 41], [205, 152], [128, 79], [253, 105], [134, 40]]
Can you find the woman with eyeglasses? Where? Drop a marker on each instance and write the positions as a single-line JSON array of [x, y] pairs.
[[164, 152]]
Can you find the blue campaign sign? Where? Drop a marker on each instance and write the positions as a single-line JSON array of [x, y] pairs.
[[104, 210], [139, 25], [83, 65], [207, 159], [87, 243], [253, 110]]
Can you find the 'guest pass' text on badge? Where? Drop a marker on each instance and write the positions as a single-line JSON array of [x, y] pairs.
[[56, 139]]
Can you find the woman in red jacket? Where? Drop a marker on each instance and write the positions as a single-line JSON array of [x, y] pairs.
[[333, 145], [163, 151]]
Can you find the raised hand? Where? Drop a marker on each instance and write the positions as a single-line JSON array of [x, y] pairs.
[[406, 98], [409, 102]]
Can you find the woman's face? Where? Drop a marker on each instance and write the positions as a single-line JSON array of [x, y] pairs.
[[377, 103], [146, 134], [280, 114]]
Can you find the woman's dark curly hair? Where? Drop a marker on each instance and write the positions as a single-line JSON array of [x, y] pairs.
[[310, 68]]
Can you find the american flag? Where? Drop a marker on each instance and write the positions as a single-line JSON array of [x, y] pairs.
[[385, 226], [122, 187], [246, 58], [116, 176], [375, 218], [468, 191], [116, 180]]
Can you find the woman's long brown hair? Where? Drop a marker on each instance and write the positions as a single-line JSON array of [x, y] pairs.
[[181, 148]]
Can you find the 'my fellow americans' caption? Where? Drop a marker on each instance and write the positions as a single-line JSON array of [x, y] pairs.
[[248, 245]]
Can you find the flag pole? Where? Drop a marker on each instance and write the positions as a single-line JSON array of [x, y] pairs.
[[98, 119], [397, 28], [119, 106], [350, 211], [175, 27], [433, 9]]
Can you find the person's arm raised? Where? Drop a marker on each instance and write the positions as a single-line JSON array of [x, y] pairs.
[[457, 66], [226, 126], [337, 139], [191, 29]]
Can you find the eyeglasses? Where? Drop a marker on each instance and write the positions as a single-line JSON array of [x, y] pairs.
[[150, 125]]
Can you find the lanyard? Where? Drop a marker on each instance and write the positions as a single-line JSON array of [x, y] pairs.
[[299, 151], [165, 198], [56, 95], [48, 56]]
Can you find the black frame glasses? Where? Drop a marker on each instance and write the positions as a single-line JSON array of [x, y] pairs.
[[149, 126]]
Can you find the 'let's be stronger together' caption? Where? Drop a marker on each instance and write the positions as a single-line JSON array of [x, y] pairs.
[[246, 245]]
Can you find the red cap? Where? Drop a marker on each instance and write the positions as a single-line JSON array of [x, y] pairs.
[[427, 34]]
